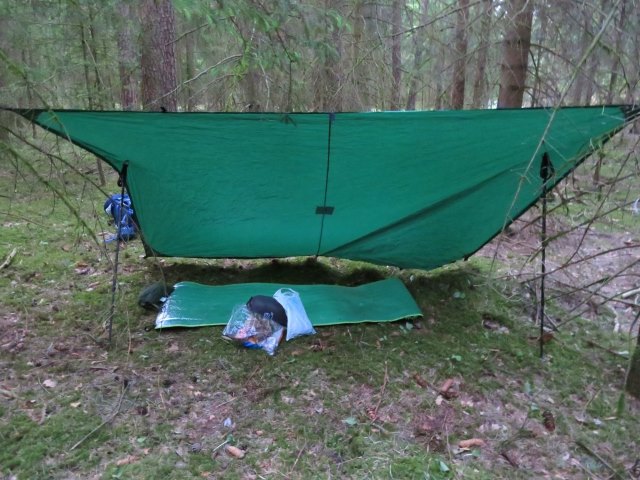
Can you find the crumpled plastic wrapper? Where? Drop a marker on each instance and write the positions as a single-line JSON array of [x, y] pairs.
[[253, 330]]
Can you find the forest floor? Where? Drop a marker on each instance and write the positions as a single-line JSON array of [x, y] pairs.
[[458, 393]]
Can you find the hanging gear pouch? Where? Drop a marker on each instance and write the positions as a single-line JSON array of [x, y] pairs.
[[298, 322]]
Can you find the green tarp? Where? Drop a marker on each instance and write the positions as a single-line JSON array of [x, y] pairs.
[[195, 305], [411, 189]]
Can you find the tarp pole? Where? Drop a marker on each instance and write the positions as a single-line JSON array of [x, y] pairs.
[[324, 209], [122, 181], [546, 172]]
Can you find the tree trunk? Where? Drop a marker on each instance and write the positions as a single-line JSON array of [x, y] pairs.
[[419, 44], [480, 81], [515, 56], [582, 77], [250, 79], [190, 71], [360, 80], [92, 45], [85, 63], [396, 60], [613, 79], [439, 91], [90, 93], [127, 59], [536, 90], [327, 83], [158, 60], [633, 377], [460, 62], [5, 117], [632, 80], [5, 123], [592, 69]]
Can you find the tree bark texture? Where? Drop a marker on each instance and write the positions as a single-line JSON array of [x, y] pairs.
[[361, 79], [543, 27], [479, 80], [189, 72], [585, 39], [127, 59], [4, 116], [632, 78], [633, 378], [327, 81], [418, 54], [85, 62], [92, 46], [396, 60], [158, 60], [615, 67], [516, 46], [460, 62]]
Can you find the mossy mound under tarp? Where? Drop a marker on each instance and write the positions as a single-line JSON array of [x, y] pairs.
[[196, 305], [410, 189]]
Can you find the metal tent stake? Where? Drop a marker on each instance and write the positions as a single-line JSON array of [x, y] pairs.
[[122, 181], [546, 172]]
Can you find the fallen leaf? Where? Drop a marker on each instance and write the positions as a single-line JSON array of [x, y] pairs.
[[446, 391], [50, 383], [448, 383], [75, 404], [129, 459], [235, 451], [317, 346], [420, 381], [372, 413], [426, 426], [548, 421], [471, 442], [509, 457], [546, 337], [82, 268]]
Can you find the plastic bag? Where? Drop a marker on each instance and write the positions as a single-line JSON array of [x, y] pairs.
[[253, 330], [298, 322]]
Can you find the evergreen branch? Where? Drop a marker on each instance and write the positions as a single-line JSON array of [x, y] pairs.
[[57, 193]]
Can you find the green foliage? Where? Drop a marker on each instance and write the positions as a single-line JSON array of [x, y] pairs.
[[70, 54]]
